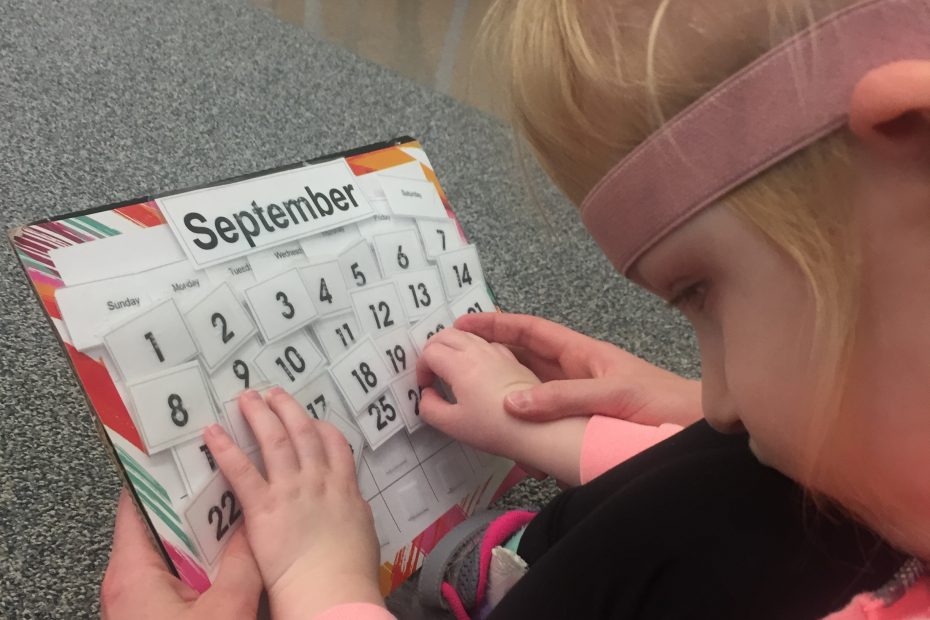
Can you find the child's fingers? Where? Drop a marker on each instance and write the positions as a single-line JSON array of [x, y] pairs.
[[305, 438], [277, 450], [441, 359], [436, 410], [542, 337], [240, 472], [425, 374], [338, 452], [456, 339]]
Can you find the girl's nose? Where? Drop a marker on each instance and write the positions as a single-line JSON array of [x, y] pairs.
[[720, 410]]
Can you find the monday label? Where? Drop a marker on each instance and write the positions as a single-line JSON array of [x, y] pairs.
[[217, 224]]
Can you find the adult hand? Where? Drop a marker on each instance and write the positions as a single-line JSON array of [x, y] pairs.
[[585, 376], [137, 583]]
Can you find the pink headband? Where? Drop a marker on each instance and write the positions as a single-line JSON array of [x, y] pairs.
[[792, 96]]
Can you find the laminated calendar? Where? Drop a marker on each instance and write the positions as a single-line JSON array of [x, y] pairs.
[[325, 278]]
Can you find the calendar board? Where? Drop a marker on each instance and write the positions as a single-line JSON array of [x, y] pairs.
[[325, 278]]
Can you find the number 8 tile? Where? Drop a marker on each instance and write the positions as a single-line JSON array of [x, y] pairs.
[[172, 407]]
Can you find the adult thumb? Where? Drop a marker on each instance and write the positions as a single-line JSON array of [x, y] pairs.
[[568, 397], [238, 586]]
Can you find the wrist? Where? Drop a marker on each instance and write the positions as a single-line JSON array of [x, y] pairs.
[[553, 447], [307, 597]]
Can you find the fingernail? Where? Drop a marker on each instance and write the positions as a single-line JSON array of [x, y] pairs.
[[519, 400], [216, 433], [250, 395], [275, 391]]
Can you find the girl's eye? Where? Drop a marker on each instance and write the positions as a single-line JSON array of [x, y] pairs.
[[691, 298]]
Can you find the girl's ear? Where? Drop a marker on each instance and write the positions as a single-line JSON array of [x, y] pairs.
[[890, 109]]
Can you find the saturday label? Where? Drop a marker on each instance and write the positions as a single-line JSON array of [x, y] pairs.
[[218, 224]]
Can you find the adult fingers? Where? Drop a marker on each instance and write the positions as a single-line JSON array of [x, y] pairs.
[[544, 368], [504, 351], [338, 451], [132, 546], [304, 434], [136, 575], [560, 399], [238, 586], [246, 481], [277, 449]]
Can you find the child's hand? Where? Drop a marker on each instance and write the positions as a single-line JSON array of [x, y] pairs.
[[308, 526], [480, 374]]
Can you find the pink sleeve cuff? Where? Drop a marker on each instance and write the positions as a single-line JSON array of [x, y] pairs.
[[610, 441], [356, 611]]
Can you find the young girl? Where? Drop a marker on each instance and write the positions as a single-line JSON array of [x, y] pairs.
[[763, 167]]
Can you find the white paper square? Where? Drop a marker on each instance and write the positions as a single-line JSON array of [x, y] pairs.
[[172, 406], [474, 300], [438, 320], [361, 375], [241, 431], [460, 270], [238, 372], [337, 334], [379, 420], [399, 251], [237, 273], [394, 458], [481, 462], [331, 243], [195, 463], [411, 501], [178, 280], [407, 394], [397, 350], [358, 265], [219, 325], [385, 527], [89, 310], [378, 308], [212, 517], [439, 237], [428, 441], [151, 341], [320, 397], [366, 482], [281, 305], [384, 224], [281, 258], [290, 362], [326, 286], [352, 434], [131, 252], [449, 473], [413, 198], [420, 291]]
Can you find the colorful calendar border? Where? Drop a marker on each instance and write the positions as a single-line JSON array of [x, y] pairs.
[[32, 244]]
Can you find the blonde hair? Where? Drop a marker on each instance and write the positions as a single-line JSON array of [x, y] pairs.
[[589, 80]]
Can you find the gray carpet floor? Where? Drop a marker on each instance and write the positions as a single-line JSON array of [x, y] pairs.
[[102, 100]]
